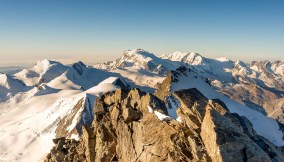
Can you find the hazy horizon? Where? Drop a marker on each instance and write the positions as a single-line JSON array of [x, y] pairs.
[[97, 31], [32, 62]]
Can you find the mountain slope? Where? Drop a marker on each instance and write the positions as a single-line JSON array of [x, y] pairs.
[[258, 85], [46, 113], [141, 60], [10, 86], [210, 68], [131, 125], [58, 100], [140, 67], [185, 78]]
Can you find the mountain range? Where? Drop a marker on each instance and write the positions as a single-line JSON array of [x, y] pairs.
[[258, 85], [183, 94]]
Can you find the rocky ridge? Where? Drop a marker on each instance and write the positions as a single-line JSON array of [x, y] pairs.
[[132, 125]]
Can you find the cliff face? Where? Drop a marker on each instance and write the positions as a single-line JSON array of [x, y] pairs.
[[131, 125]]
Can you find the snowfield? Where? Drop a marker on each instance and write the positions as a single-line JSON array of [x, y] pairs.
[[31, 125], [30, 118]]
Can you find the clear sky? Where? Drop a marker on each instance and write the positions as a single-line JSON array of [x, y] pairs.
[[95, 31]]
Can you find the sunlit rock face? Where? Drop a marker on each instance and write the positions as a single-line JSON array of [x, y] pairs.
[[132, 125]]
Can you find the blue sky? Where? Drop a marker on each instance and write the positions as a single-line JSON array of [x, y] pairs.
[[95, 31]]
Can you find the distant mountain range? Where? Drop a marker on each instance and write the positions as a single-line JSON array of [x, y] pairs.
[[259, 85], [52, 100]]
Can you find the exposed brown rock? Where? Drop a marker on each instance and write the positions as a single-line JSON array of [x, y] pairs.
[[100, 108], [66, 150], [125, 130]]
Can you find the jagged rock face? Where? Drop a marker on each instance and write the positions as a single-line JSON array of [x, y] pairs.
[[164, 88], [126, 127], [226, 136]]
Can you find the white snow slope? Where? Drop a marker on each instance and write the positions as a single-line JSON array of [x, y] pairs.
[[29, 119], [43, 72]]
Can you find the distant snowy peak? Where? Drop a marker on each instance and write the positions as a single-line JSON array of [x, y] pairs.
[[135, 54], [81, 77], [136, 58], [139, 59], [240, 65], [190, 58], [47, 65], [141, 53], [276, 67], [43, 72], [176, 56], [43, 65]]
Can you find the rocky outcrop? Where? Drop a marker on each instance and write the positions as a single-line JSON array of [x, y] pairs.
[[165, 89], [66, 150], [131, 125]]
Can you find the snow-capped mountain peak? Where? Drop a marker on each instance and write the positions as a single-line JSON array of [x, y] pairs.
[[190, 58], [135, 57], [137, 52], [44, 65], [267, 66], [43, 72], [139, 59]]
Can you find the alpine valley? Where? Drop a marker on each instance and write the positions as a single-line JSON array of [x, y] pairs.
[[144, 107]]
